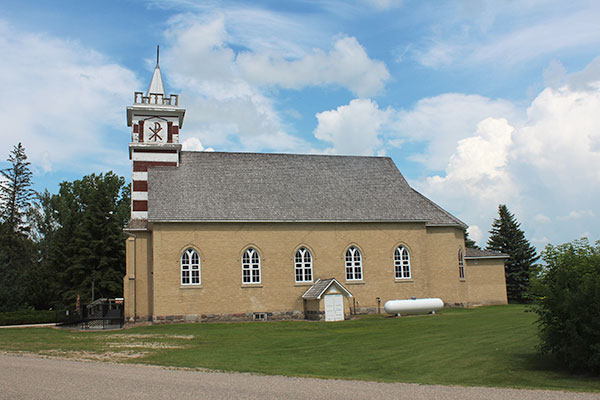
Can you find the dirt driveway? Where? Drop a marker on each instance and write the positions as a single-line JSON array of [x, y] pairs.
[[31, 377]]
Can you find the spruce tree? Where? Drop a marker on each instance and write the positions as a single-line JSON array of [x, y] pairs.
[[507, 237], [16, 248], [16, 192]]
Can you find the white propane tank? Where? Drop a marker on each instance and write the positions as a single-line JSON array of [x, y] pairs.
[[413, 306]]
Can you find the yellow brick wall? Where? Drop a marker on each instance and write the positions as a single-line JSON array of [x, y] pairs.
[[487, 283], [137, 282], [433, 252]]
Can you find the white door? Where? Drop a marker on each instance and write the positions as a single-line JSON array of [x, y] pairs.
[[334, 307]]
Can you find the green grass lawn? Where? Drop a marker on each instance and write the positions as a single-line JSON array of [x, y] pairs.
[[487, 346]]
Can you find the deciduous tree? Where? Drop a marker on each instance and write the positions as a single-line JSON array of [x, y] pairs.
[[89, 245], [566, 297]]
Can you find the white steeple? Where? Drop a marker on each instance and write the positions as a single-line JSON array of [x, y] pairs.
[[156, 84], [155, 119]]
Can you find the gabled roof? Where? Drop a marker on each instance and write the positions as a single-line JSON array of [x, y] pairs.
[[237, 187], [320, 287], [472, 253]]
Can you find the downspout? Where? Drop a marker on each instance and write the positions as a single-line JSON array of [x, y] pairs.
[[134, 273]]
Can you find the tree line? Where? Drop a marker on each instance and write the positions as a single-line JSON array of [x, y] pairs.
[[56, 247]]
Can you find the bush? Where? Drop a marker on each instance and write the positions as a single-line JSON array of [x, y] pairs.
[[27, 317], [567, 300]]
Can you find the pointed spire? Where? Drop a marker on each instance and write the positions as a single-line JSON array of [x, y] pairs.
[[156, 84]]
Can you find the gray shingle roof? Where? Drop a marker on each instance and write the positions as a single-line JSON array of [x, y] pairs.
[[213, 186], [320, 286], [482, 253]]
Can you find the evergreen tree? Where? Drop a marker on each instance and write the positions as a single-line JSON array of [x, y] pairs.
[[16, 249], [507, 237], [16, 192], [44, 283], [88, 248]]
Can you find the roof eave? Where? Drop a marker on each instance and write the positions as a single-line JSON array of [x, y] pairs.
[[486, 257], [154, 110]]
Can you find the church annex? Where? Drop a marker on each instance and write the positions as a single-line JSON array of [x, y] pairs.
[[243, 236]]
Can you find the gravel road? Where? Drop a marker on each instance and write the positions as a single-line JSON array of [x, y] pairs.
[[31, 377]]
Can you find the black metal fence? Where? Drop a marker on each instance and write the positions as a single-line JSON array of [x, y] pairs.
[[99, 314]]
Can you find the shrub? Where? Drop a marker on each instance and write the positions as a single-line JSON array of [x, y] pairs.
[[27, 317], [567, 300]]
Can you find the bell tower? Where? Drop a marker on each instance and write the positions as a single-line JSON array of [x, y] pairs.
[[155, 119]]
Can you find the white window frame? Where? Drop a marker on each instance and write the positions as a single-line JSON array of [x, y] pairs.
[[353, 260], [461, 265], [191, 273], [303, 265], [402, 268], [251, 273]]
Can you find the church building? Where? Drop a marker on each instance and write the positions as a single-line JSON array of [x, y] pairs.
[[254, 236]]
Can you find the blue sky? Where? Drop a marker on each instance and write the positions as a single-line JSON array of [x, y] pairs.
[[477, 102]]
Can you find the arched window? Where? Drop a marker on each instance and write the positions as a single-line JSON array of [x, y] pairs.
[[303, 265], [251, 266], [461, 265], [402, 263], [190, 267], [353, 264]]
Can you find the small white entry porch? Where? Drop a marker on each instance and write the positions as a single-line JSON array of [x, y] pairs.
[[326, 300]]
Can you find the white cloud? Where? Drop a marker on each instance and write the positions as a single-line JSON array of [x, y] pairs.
[[476, 178], [193, 144], [346, 65], [542, 219], [576, 215], [352, 128], [475, 233], [554, 74], [508, 34], [443, 120], [545, 166], [224, 88], [576, 30], [58, 98]]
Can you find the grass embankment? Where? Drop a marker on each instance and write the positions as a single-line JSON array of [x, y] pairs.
[[489, 346]]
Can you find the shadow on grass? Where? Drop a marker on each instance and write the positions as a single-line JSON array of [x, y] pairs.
[[548, 364]]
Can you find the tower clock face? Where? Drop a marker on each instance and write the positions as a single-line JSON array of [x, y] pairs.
[[155, 130]]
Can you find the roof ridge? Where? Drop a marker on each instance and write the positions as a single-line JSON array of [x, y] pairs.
[[285, 154]]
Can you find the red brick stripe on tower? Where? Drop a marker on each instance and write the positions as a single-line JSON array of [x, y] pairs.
[[140, 205], [155, 151], [169, 132], [140, 186], [142, 166]]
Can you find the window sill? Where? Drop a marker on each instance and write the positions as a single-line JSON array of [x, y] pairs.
[[355, 282], [251, 285], [303, 283], [462, 279], [190, 287], [404, 280]]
